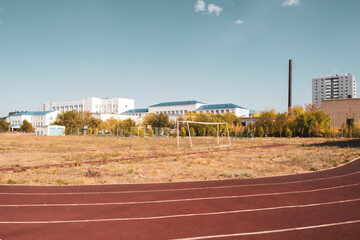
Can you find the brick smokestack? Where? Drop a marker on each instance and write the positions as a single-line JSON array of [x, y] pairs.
[[290, 84]]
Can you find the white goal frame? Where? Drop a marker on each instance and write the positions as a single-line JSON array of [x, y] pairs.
[[204, 123]]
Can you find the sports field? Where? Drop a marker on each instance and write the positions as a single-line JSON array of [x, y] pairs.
[[106, 160]]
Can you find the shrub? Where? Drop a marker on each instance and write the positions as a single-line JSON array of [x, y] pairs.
[[192, 132], [150, 132], [182, 132], [89, 131], [142, 132], [261, 132], [173, 134], [288, 133]]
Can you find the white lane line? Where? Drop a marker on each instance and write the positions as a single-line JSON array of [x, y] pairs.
[[271, 231], [176, 200], [182, 215], [179, 189]]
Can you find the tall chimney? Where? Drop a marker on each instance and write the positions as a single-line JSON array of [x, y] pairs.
[[290, 83]]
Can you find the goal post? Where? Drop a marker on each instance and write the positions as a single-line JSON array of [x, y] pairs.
[[187, 124]]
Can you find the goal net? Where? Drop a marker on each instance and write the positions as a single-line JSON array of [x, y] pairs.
[[202, 130]]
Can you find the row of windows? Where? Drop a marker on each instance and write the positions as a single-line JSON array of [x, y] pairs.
[[66, 108], [173, 112], [219, 111], [207, 111]]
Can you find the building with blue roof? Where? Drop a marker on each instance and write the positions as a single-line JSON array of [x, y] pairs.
[[224, 108], [140, 112], [176, 109], [179, 103], [36, 118]]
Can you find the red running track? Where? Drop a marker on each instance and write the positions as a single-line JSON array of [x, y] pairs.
[[321, 205]]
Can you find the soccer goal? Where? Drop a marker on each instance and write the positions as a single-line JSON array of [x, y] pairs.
[[187, 125]]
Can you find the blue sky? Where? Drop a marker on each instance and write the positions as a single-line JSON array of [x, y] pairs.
[[215, 51]]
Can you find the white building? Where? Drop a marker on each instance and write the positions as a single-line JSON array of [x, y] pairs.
[[53, 130], [224, 108], [93, 105], [333, 87], [175, 109], [37, 119]]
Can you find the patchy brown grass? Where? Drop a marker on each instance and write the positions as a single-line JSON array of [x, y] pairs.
[[302, 155]]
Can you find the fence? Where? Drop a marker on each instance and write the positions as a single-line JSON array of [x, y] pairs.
[[123, 132]]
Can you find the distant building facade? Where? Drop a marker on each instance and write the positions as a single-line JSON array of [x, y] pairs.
[[93, 105], [224, 108], [346, 110], [37, 119], [175, 109], [338, 86]]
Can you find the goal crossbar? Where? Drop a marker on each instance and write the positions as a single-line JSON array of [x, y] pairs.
[[203, 123]]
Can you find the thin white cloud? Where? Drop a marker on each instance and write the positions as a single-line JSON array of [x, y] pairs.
[[289, 3], [239, 21], [200, 6], [212, 8]]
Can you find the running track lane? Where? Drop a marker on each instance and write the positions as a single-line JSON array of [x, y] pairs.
[[321, 205]]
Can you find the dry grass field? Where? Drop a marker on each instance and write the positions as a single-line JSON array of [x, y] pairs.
[[298, 156]]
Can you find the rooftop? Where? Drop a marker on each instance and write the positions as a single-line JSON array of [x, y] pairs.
[[163, 104], [252, 111], [30, 113], [138, 110], [219, 106], [340, 99]]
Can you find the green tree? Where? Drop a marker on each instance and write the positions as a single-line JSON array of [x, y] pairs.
[[267, 122], [26, 126], [4, 125], [75, 121]]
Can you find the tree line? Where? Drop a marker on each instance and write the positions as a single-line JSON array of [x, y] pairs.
[[302, 122], [297, 122]]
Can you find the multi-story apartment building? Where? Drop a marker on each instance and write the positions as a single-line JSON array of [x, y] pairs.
[[337, 86], [93, 105]]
